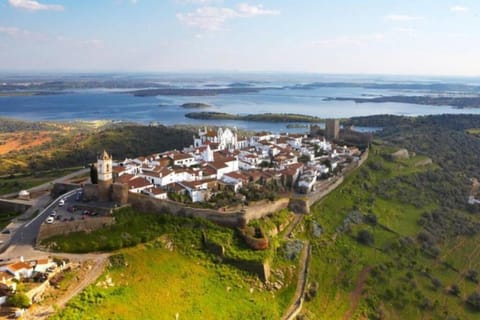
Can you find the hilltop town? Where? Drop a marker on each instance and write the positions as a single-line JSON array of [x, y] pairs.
[[220, 161]]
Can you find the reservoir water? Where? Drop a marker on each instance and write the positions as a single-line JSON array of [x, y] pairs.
[[115, 105]]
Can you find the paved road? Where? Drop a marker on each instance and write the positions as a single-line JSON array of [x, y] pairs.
[[23, 239]]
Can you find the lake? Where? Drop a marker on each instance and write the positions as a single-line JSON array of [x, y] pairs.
[[114, 105]]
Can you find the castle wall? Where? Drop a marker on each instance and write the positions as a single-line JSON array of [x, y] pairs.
[[120, 193], [87, 225], [148, 204], [104, 190]]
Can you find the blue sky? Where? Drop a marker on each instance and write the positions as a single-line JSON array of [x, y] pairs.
[[430, 37]]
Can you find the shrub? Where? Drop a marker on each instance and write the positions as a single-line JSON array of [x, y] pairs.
[[473, 300], [454, 290], [19, 300], [371, 219], [365, 237], [472, 275]]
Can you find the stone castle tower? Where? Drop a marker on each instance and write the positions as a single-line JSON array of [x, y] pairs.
[[104, 168]]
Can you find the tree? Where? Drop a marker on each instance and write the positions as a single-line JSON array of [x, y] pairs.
[[19, 300], [365, 237], [436, 283], [93, 174], [474, 300], [472, 275], [371, 219], [455, 290]]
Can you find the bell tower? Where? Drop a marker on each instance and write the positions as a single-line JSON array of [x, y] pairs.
[[104, 167]]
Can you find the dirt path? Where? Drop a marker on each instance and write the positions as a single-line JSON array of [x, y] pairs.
[[99, 263], [297, 299], [356, 294]]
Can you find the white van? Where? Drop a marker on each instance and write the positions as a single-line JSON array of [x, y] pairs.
[[50, 220], [61, 202]]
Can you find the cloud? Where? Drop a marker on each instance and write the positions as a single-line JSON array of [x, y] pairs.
[[459, 9], [17, 33], [34, 5], [213, 18], [10, 31], [355, 40], [402, 17], [245, 10], [405, 30], [38, 37]]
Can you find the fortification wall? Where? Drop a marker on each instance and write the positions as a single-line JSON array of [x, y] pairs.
[[149, 204], [60, 188], [263, 208], [87, 225], [7, 206]]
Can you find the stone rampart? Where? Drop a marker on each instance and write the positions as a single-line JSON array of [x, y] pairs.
[[61, 188], [65, 227]]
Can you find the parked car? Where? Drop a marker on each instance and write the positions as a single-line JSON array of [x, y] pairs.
[[6, 231], [65, 219], [53, 213], [71, 209], [71, 218], [49, 220], [86, 212], [59, 217], [61, 202], [93, 213]]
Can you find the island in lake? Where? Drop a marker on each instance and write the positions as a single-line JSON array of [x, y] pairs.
[[195, 105], [457, 102], [192, 92], [264, 117]]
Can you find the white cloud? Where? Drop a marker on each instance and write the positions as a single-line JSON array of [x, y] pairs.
[[246, 10], [34, 5], [459, 9], [405, 30], [134, 1], [10, 31], [213, 18], [355, 40], [401, 17]]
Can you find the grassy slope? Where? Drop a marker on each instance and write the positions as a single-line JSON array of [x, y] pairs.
[[400, 278], [158, 283]]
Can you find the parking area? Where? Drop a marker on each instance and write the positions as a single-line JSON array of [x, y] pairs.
[[73, 208]]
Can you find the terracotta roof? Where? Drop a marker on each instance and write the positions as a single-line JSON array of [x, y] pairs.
[[165, 172], [157, 191], [209, 171], [138, 183], [237, 175], [181, 156], [43, 261], [218, 165], [118, 169], [151, 174], [125, 178], [19, 266]]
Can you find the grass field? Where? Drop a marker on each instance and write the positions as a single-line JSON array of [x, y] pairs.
[[394, 273], [157, 283], [21, 182]]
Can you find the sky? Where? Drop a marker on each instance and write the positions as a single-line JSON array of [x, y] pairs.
[[408, 37]]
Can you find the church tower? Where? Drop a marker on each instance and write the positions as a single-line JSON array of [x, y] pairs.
[[104, 168]]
